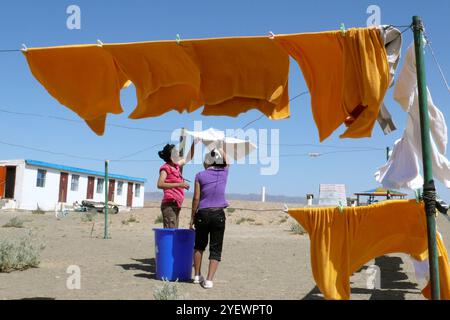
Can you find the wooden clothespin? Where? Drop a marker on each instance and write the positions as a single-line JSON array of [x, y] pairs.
[[343, 30], [418, 196], [285, 208], [178, 39], [271, 35], [24, 48], [340, 207], [99, 43]]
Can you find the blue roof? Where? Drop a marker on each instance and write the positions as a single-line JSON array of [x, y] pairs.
[[83, 171]]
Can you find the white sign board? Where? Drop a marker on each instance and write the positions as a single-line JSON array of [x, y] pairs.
[[332, 195]]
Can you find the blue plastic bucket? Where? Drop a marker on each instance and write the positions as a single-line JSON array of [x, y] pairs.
[[174, 251]]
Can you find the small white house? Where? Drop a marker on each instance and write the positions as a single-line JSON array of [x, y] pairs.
[[27, 184]]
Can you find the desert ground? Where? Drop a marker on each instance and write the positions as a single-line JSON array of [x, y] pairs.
[[262, 259]]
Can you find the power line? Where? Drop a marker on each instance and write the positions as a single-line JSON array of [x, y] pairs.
[[137, 152], [79, 121], [262, 116], [49, 151], [327, 146]]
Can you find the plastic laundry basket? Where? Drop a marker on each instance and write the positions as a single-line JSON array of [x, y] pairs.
[[174, 250]]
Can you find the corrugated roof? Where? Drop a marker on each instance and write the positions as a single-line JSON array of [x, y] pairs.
[[43, 164]]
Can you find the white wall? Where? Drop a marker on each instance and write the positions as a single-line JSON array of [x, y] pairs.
[[47, 197], [28, 195], [138, 202]]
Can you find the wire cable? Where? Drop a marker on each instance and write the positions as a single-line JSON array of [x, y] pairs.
[[49, 151], [79, 121], [262, 116], [436, 62]]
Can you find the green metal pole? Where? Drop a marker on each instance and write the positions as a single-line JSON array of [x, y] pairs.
[[429, 191], [106, 236]]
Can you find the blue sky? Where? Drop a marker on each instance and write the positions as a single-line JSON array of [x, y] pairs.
[[43, 23]]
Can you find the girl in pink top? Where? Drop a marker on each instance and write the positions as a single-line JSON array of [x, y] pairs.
[[172, 183]]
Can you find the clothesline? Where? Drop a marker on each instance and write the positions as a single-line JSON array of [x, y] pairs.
[[123, 159], [185, 76]]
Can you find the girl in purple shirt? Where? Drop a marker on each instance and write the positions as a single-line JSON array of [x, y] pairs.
[[208, 215]]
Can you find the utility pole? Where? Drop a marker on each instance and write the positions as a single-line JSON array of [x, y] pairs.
[[106, 236], [429, 190]]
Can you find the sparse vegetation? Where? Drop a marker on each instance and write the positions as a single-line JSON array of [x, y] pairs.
[[38, 210], [168, 291], [230, 210], [20, 254], [159, 219], [283, 220], [242, 220], [89, 216], [15, 222], [296, 228], [131, 219]]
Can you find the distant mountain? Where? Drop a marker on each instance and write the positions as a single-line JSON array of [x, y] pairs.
[[157, 196]]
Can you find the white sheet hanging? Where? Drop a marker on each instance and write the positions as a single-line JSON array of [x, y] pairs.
[[212, 138], [403, 168]]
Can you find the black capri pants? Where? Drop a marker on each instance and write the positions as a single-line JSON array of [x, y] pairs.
[[210, 222]]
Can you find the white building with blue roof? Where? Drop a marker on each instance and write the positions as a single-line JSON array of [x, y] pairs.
[[27, 184]]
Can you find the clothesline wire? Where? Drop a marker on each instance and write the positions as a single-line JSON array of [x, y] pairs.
[[20, 50], [262, 116], [9, 50], [240, 209], [436, 61]]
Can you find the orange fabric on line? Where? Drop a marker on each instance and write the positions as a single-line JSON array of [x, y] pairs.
[[228, 76], [344, 74], [165, 77], [342, 242], [83, 78], [243, 73]]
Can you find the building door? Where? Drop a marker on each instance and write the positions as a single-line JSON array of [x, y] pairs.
[[90, 188], [2, 181], [130, 195], [111, 189], [63, 182], [10, 182]]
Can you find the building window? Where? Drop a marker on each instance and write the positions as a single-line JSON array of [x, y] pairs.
[[74, 183], [100, 183], [119, 187], [40, 181], [137, 190]]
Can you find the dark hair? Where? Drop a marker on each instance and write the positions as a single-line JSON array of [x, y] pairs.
[[166, 153], [221, 163]]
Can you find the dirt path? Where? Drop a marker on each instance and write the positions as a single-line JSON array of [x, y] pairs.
[[261, 260]]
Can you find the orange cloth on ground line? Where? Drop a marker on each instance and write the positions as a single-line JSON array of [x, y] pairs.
[[347, 77], [444, 271], [83, 78], [239, 74], [165, 77], [342, 242]]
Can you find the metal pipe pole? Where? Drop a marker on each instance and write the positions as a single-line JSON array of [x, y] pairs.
[[182, 145], [429, 190], [106, 236]]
